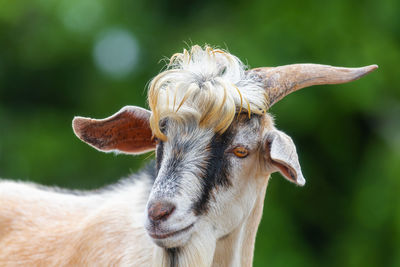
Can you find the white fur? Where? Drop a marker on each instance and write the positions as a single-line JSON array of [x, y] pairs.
[[44, 228]]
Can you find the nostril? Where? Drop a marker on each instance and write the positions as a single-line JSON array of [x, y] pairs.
[[160, 210]]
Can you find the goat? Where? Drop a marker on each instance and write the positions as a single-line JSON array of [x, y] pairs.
[[200, 202]]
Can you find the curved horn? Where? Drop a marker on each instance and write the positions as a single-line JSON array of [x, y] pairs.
[[281, 81]]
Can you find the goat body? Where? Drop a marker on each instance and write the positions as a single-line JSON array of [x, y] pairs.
[[43, 227]]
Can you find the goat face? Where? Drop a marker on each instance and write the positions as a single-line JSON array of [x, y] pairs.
[[206, 183]]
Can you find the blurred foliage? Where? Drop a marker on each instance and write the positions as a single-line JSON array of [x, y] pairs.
[[348, 136]]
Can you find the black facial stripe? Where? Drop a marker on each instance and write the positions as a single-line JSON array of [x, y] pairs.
[[159, 154], [217, 170], [160, 147], [173, 255]]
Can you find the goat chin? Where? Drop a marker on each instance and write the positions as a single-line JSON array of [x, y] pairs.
[[198, 251]]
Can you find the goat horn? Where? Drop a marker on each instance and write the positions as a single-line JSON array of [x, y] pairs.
[[281, 81]]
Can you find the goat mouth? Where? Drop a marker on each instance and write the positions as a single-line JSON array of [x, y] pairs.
[[166, 235]]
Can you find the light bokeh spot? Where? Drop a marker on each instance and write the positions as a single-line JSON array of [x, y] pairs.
[[116, 52]]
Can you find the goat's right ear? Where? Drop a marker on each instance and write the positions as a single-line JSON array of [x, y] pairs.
[[127, 131]]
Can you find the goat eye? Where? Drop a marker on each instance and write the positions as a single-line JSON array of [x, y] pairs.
[[240, 152]]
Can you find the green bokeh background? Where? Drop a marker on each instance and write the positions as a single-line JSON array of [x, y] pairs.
[[347, 136]]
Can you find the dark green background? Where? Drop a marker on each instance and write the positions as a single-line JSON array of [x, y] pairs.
[[347, 136]]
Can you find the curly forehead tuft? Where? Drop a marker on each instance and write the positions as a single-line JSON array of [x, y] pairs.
[[207, 84]]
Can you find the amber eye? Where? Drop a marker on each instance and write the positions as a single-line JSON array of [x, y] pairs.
[[240, 152]]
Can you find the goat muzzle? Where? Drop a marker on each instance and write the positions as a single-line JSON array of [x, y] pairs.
[[161, 210]]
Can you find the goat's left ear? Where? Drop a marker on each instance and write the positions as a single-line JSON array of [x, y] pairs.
[[281, 156], [127, 131]]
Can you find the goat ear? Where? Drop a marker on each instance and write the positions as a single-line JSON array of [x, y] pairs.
[[282, 156], [127, 131]]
